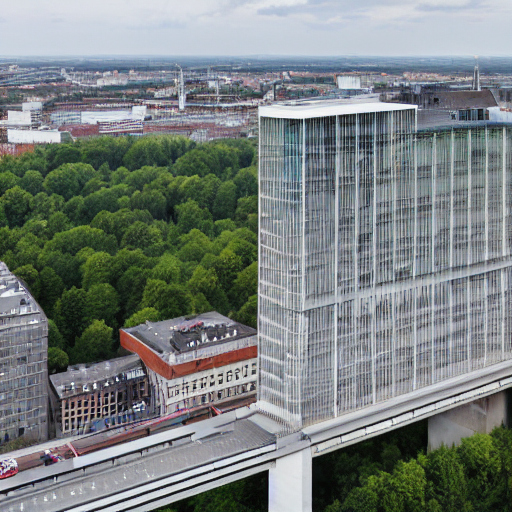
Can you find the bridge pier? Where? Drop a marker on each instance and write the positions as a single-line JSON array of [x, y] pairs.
[[290, 483], [482, 415]]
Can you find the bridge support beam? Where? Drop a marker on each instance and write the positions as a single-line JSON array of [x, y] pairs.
[[448, 428], [290, 483]]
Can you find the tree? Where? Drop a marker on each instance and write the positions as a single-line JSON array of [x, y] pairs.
[[246, 182], [147, 151], [51, 289], [43, 206], [102, 303], [247, 314], [95, 344], [64, 265], [8, 239], [244, 285], [7, 180], [110, 150], [170, 300], [141, 236], [75, 210], [247, 251], [63, 181], [28, 249], [70, 314], [225, 201], [227, 267], [152, 201], [97, 269], [143, 176], [119, 176], [104, 199], [200, 190], [57, 223], [32, 182], [203, 281], [447, 481], [190, 216], [142, 316], [55, 338], [168, 269], [16, 205], [224, 225], [58, 360], [246, 206], [77, 238], [63, 154], [117, 223], [482, 466], [130, 288]]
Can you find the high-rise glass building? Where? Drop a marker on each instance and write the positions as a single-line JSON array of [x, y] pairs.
[[23, 361], [384, 257]]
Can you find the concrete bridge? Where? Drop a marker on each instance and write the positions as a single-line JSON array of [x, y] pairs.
[[179, 463]]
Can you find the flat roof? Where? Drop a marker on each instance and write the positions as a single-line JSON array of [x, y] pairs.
[[308, 110], [87, 374], [184, 334], [15, 299]]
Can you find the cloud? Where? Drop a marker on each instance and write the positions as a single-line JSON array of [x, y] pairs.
[[450, 6], [259, 26], [377, 11]]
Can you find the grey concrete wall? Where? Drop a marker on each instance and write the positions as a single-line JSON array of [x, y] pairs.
[[483, 415]]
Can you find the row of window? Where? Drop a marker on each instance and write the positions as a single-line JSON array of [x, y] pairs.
[[215, 396], [212, 381]]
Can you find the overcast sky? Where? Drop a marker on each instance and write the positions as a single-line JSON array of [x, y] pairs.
[[249, 27]]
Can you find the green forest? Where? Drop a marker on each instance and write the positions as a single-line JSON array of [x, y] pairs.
[[111, 232], [390, 473]]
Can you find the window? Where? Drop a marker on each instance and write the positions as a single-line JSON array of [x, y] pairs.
[[229, 376]]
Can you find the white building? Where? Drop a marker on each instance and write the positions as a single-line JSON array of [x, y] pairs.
[[207, 360], [385, 260]]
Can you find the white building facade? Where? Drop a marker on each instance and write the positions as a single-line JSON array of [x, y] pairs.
[[195, 363], [385, 262]]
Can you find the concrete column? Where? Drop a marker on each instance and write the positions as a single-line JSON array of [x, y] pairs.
[[448, 428], [290, 483]]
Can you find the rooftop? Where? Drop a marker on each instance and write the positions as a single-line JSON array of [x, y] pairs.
[[14, 298], [85, 378], [184, 334], [312, 109], [457, 100]]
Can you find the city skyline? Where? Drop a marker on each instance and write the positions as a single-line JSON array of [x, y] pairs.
[[248, 27]]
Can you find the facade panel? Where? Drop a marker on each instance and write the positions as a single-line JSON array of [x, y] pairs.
[[23, 362], [384, 256]]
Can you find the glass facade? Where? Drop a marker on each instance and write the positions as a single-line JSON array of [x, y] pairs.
[[384, 261], [23, 362]]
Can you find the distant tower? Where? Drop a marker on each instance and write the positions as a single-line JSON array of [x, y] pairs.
[[181, 90], [476, 76]]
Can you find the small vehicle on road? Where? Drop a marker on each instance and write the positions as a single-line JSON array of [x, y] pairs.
[[49, 458], [8, 467]]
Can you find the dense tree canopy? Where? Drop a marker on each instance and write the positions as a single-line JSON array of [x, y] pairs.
[[109, 232]]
